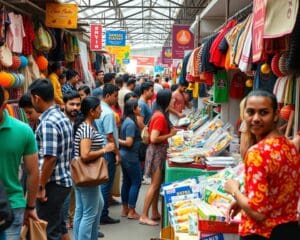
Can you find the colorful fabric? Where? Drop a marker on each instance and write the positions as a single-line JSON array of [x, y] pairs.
[[272, 184], [155, 158], [29, 38], [221, 87], [54, 136]]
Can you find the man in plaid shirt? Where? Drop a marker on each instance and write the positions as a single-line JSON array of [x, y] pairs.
[[54, 136]]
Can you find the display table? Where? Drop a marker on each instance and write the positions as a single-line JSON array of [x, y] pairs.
[[175, 172]]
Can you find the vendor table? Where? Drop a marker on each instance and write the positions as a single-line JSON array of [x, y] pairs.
[[175, 172]]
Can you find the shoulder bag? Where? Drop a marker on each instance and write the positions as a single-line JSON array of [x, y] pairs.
[[6, 59], [145, 135], [89, 174]]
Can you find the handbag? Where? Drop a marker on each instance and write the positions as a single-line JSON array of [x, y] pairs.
[[42, 41], [35, 230], [145, 135], [6, 59], [89, 174]]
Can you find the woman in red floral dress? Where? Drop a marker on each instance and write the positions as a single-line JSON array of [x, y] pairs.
[[272, 176]]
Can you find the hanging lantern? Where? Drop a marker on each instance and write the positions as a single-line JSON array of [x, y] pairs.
[[285, 112], [249, 83], [24, 61], [42, 62], [265, 68]]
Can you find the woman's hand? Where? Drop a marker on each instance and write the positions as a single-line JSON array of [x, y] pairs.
[[173, 131], [233, 210], [109, 147], [231, 186]]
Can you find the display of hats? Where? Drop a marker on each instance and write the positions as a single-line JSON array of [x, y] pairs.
[[286, 111], [275, 65], [24, 61], [42, 62], [19, 80], [283, 63], [5, 79], [16, 63]]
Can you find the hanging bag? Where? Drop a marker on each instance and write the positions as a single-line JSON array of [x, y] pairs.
[[89, 174], [145, 135], [6, 59], [43, 40]]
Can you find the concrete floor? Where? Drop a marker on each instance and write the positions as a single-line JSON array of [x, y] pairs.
[[129, 229]]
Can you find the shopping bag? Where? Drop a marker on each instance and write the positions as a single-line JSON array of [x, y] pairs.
[[35, 231]]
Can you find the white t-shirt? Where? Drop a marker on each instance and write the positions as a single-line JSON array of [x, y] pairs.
[[15, 33], [157, 87]]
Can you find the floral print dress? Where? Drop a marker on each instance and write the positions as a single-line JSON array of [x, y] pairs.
[[272, 184]]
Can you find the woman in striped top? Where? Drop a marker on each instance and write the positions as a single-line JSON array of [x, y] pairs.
[[88, 145]]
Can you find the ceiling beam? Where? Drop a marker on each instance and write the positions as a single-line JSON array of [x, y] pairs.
[[84, 7], [134, 19]]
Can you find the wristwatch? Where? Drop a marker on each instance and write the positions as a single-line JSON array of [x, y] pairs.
[[29, 207], [41, 188]]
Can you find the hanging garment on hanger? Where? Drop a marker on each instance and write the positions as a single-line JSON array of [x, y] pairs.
[[15, 33], [245, 58], [29, 37]]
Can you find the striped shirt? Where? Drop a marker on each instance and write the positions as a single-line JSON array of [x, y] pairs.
[[86, 131], [54, 136]]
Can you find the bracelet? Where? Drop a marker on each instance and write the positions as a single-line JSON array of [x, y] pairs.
[[29, 207]]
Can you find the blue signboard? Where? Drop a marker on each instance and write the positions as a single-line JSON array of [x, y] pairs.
[[115, 38], [126, 61]]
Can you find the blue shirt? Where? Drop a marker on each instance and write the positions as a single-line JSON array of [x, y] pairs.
[[54, 136], [107, 123], [145, 111], [67, 87], [130, 129]]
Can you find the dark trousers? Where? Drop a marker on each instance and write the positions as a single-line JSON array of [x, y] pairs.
[[290, 231], [106, 187], [52, 210]]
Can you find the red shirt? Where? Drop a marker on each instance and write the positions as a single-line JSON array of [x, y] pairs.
[[178, 101], [158, 122], [272, 184]]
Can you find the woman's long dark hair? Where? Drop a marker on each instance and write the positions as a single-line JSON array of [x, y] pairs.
[[163, 99], [130, 106], [87, 105]]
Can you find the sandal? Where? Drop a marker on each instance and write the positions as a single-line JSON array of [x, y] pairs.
[[148, 222]]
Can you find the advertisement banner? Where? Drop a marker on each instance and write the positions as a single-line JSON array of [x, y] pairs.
[[166, 55], [60, 15], [259, 12], [96, 37], [120, 52], [144, 61], [115, 38], [182, 39]]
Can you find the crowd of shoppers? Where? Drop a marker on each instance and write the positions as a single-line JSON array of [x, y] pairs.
[[67, 123]]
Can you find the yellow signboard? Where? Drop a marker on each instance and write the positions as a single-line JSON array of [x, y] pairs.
[[121, 52], [59, 15]]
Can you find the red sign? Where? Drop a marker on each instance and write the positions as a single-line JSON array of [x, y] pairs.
[[259, 12], [144, 61], [182, 39], [96, 37]]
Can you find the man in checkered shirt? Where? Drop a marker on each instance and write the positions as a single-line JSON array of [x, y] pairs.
[[54, 136]]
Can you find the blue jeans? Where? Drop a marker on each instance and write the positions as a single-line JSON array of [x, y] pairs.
[[132, 177], [2, 236], [13, 232], [89, 204], [106, 187]]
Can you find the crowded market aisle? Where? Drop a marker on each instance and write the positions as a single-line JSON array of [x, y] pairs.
[[129, 229]]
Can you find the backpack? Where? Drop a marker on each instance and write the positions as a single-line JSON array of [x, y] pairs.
[[6, 213]]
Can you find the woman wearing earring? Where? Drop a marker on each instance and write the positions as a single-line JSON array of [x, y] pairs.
[[272, 176], [160, 129], [88, 145]]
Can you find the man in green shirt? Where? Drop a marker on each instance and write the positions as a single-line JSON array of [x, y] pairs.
[[17, 142]]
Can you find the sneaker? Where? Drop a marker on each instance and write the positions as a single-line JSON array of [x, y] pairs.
[[146, 180], [108, 220], [100, 235]]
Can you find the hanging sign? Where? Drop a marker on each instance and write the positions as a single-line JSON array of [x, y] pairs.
[[144, 61], [60, 15], [182, 39], [120, 52], [259, 12], [115, 38], [166, 55], [96, 37]]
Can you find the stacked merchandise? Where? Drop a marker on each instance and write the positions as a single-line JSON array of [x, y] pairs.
[[198, 206], [209, 138]]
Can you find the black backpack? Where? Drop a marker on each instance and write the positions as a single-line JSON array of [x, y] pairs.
[[6, 213]]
